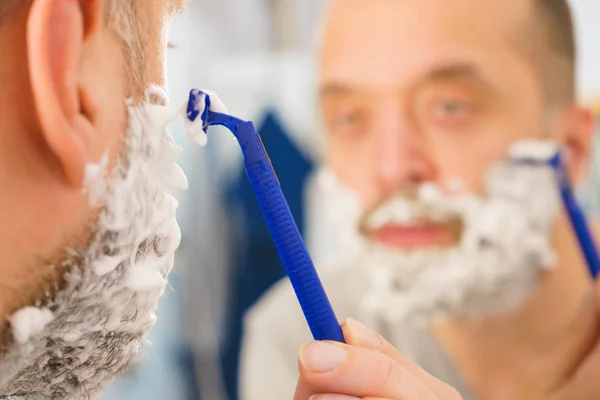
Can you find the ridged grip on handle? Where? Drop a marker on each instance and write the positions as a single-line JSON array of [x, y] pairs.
[[296, 259]]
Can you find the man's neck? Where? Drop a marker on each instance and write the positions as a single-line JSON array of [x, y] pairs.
[[524, 354]]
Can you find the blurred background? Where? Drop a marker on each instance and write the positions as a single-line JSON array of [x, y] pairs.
[[258, 55]]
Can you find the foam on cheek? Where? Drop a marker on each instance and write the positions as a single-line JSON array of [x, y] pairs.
[[106, 264], [144, 278], [505, 244], [147, 275], [29, 322], [114, 284], [95, 181]]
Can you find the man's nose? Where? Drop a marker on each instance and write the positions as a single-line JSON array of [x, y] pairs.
[[401, 158]]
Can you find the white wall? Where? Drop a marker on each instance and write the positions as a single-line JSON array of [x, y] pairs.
[[587, 18]]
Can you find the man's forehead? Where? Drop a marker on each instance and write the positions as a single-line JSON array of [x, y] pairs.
[[401, 38], [519, 6], [450, 71], [401, 17]]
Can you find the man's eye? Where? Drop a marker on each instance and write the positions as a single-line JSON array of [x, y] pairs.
[[451, 108], [350, 124], [347, 120]]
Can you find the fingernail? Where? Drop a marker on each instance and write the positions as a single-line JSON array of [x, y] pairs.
[[321, 356], [364, 335], [332, 397]]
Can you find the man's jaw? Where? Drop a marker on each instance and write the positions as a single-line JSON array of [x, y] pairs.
[[500, 245], [43, 276], [113, 285]]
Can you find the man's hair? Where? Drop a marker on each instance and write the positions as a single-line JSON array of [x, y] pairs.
[[128, 19], [553, 51], [125, 17]]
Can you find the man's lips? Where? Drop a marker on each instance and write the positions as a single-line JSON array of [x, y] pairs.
[[421, 235]]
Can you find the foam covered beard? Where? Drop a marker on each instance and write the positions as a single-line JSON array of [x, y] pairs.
[[92, 328], [504, 245]]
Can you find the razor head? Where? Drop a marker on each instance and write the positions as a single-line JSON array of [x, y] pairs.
[[198, 106], [535, 152]]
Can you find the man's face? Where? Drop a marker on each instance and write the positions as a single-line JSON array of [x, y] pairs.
[[424, 91], [83, 211], [430, 95]]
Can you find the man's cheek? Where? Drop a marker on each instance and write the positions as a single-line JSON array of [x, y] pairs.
[[467, 172], [360, 183]]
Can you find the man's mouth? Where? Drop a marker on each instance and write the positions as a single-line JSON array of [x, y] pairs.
[[416, 235]]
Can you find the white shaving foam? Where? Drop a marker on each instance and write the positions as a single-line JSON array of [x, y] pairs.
[[216, 104], [144, 279], [28, 322], [113, 286], [401, 212], [504, 247], [95, 181]]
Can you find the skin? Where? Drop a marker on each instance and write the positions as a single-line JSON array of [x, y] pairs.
[[326, 373], [436, 90], [366, 367], [58, 114]]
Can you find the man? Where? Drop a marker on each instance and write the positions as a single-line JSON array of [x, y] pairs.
[[421, 93], [86, 169]]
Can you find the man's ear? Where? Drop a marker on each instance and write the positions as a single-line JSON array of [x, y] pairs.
[[578, 139], [57, 31]]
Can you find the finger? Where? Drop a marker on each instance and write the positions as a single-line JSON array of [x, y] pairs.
[[357, 334], [303, 391], [329, 367]]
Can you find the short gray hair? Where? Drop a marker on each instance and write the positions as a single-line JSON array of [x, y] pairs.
[[556, 33]]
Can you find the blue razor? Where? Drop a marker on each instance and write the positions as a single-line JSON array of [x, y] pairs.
[[299, 266], [571, 205]]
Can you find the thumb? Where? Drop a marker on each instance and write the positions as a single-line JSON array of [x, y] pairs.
[[303, 390]]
